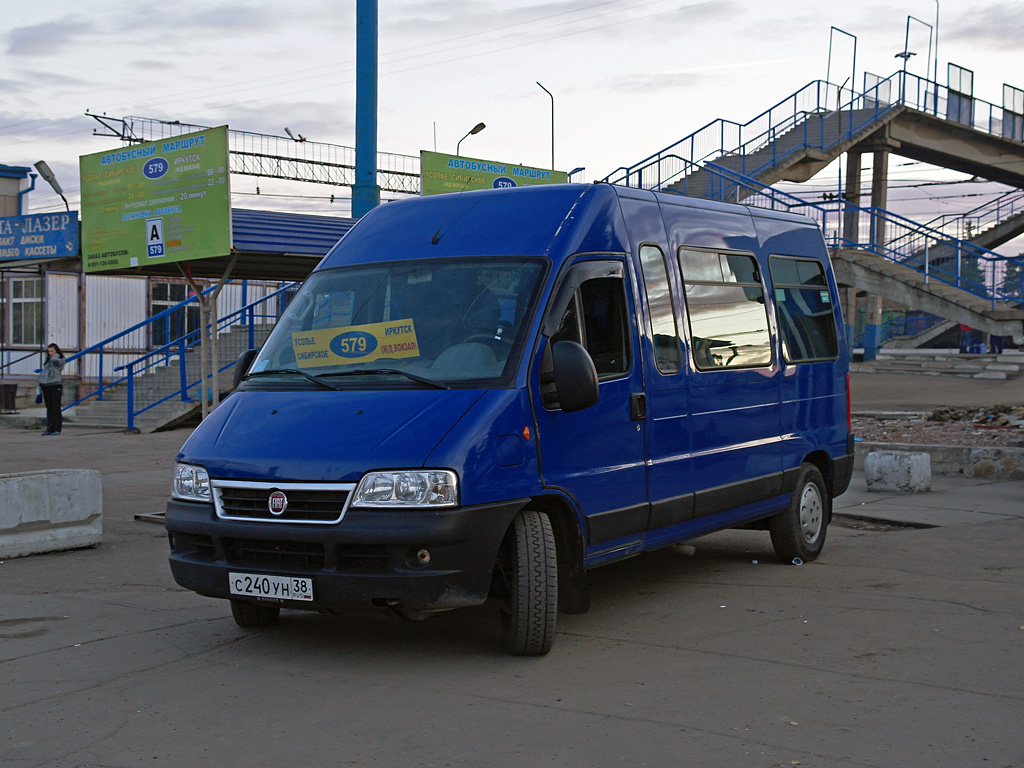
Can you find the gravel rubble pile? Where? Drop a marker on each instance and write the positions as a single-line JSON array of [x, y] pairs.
[[999, 426]]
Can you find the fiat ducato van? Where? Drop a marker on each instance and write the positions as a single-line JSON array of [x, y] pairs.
[[485, 395]]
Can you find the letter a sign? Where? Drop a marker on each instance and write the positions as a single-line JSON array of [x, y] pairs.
[[154, 238]]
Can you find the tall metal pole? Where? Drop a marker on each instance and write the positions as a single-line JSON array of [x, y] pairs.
[[365, 191], [552, 124]]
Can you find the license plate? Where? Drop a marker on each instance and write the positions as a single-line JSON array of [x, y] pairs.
[[273, 587]]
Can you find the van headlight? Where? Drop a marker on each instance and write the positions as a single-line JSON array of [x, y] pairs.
[[191, 483], [407, 488]]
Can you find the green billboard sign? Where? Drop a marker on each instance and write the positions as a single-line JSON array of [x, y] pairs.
[[156, 202], [450, 173]]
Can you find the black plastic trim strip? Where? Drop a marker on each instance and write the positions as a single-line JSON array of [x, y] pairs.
[[616, 523]]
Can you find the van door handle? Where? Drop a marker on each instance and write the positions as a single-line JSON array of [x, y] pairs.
[[638, 406]]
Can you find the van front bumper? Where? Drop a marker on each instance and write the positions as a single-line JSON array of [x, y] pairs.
[[370, 557]]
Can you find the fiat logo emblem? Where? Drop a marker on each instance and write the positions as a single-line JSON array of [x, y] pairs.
[[277, 503]]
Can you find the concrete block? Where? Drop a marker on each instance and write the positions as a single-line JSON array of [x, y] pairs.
[[898, 471], [50, 510]]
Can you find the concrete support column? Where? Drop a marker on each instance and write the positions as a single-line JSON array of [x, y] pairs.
[[851, 234], [851, 195], [879, 200]]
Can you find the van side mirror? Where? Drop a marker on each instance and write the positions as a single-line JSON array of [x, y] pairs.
[[575, 376], [242, 365]]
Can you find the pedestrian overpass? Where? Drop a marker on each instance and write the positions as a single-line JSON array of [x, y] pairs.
[[948, 268]]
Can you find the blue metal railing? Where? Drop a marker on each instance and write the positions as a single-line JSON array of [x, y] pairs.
[[818, 116], [968, 225], [108, 347], [144, 395], [813, 117]]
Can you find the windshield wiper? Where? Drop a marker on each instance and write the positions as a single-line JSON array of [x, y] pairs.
[[399, 371], [310, 376]]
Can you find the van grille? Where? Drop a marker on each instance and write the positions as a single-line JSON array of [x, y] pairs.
[[321, 503], [286, 555]]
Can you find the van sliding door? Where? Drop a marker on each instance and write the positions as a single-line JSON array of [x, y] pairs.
[[734, 390]]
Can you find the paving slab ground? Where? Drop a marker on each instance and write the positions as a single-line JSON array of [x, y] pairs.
[[907, 392], [900, 647]]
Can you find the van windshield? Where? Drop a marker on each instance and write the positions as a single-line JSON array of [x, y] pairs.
[[444, 322]]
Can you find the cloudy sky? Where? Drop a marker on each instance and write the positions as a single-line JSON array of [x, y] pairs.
[[629, 77]]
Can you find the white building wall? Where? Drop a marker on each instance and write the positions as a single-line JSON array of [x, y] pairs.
[[113, 304], [62, 311]]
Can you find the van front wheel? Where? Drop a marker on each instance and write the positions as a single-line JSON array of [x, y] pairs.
[[799, 531], [528, 584]]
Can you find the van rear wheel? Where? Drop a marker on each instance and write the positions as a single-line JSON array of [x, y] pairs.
[[799, 531], [249, 615], [528, 581]]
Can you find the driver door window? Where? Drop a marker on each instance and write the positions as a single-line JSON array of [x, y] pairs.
[[604, 329]]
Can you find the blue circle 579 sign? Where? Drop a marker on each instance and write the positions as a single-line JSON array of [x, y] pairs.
[[353, 344], [155, 168]]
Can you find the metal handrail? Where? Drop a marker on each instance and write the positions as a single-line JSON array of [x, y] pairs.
[[9, 363], [721, 137], [163, 355], [101, 347], [989, 214], [913, 253]]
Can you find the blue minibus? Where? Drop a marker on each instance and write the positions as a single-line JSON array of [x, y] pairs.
[[484, 395]]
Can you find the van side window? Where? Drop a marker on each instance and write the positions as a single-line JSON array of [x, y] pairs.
[[659, 304], [604, 331], [726, 308], [804, 306]]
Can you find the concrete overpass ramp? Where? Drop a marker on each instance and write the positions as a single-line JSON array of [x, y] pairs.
[[865, 271]]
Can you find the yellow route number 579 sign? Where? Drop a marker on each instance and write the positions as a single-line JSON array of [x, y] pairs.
[[355, 344]]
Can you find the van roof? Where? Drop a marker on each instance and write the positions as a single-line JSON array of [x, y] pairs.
[[554, 220]]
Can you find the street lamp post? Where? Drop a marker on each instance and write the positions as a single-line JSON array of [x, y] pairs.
[[552, 123], [49, 178], [472, 132]]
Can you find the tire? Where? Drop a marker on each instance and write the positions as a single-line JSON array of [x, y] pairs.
[[528, 575], [799, 531], [250, 615]]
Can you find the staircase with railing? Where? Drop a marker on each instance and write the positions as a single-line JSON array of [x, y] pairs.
[[800, 135], [912, 263], [817, 117], [164, 386], [989, 225]]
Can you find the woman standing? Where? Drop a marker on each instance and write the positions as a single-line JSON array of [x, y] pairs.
[[51, 383]]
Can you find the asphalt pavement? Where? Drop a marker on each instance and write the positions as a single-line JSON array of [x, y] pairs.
[[900, 647], [906, 392]]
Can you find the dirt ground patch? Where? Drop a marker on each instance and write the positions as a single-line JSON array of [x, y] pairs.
[[997, 426]]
